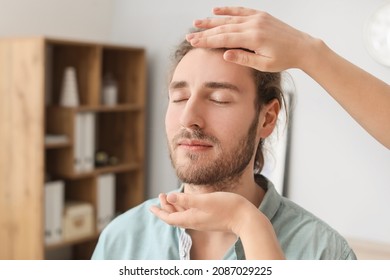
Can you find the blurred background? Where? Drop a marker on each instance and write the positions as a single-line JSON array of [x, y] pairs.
[[336, 170]]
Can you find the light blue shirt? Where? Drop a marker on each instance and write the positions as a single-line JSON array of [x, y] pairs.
[[138, 234]]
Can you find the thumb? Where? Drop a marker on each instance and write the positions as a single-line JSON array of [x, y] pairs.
[[185, 200], [246, 58]]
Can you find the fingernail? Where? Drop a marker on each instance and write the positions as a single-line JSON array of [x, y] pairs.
[[172, 198], [229, 56], [198, 22], [194, 42], [217, 9], [189, 36]]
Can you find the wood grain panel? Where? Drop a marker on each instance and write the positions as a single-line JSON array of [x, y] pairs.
[[21, 154]]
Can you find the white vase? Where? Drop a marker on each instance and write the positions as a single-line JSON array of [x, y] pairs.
[[109, 91], [69, 92]]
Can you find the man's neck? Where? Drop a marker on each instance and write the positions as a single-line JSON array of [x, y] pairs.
[[210, 245], [245, 186], [214, 245]]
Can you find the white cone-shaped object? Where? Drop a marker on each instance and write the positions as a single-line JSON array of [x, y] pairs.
[[110, 91], [69, 92]]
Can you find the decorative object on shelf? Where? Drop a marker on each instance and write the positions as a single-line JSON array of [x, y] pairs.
[[104, 159], [377, 34], [113, 160], [69, 91], [109, 90], [101, 159], [78, 220]]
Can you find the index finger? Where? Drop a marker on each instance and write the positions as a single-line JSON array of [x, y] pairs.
[[234, 11], [213, 22], [233, 15]]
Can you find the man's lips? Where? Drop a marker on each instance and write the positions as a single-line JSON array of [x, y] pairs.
[[194, 144]]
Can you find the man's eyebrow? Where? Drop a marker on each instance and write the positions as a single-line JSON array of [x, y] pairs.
[[221, 85], [178, 85], [210, 85]]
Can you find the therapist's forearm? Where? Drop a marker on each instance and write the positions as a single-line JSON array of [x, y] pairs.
[[258, 236], [363, 96]]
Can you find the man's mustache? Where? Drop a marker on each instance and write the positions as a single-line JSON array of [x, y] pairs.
[[194, 134]]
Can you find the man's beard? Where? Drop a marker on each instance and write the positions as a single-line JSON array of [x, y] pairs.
[[224, 171]]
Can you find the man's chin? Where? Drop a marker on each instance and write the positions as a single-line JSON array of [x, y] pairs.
[[198, 177], [192, 162]]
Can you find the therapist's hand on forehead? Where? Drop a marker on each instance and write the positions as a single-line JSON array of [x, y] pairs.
[[269, 38], [275, 46]]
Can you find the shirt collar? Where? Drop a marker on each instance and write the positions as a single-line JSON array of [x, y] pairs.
[[271, 200]]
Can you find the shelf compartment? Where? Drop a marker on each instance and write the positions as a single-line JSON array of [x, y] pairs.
[[85, 59], [118, 134], [127, 67]]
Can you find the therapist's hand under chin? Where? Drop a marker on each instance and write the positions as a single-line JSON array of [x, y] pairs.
[[222, 211], [218, 211]]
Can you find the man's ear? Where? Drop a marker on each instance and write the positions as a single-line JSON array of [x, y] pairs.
[[268, 118]]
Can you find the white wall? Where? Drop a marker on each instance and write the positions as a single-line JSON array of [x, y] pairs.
[[85, 19], [338, 171]]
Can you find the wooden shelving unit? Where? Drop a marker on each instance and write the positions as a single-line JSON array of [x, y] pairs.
[[31, 73]]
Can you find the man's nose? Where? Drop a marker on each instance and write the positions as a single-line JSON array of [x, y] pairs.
[[192, 114]]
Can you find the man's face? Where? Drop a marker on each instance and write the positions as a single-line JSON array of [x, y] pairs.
[[211, 122]]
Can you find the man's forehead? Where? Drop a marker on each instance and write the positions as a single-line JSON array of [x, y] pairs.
[[207, 55], [210, 67]]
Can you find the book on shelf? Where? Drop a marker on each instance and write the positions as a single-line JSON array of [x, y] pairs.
[[88, 154], [54, 207], [105, 199], [84, 139]]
